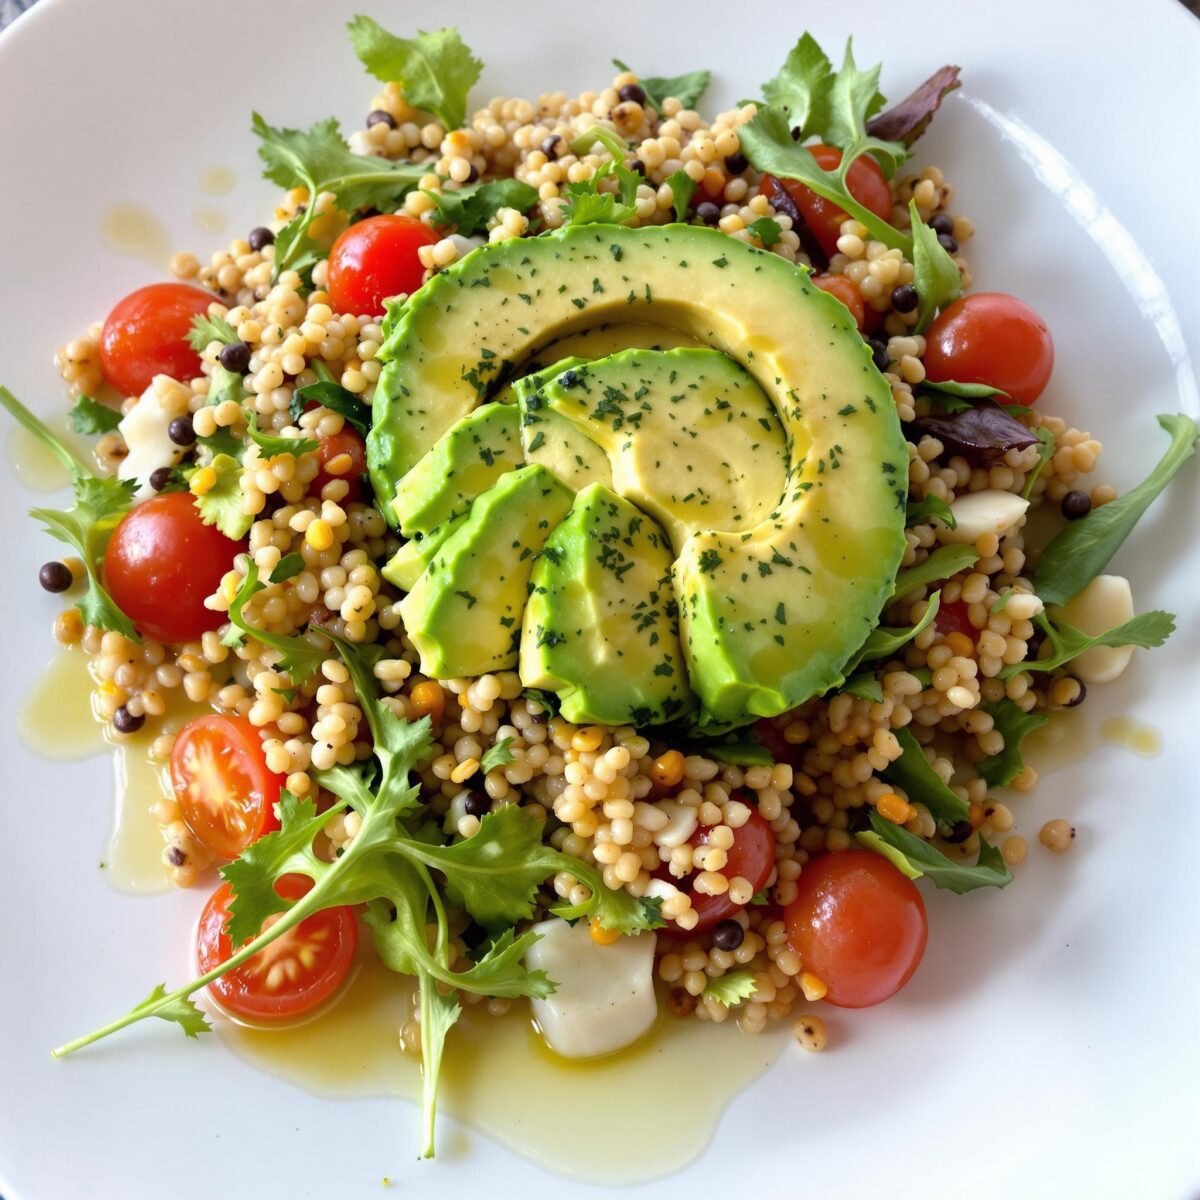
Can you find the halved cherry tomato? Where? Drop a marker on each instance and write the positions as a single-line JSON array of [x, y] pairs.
[[162, 561], [752, 856], [294, 974], [346, 441], [846, 290], [991, 338], [145, 335], [222, 783], [865, 181], [955, 618], [374, 260], [858, 925]]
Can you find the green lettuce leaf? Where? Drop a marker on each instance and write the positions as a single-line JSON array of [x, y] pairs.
[[916, 857], [686, 88], [470, 209], [935, 274], [999, 770]]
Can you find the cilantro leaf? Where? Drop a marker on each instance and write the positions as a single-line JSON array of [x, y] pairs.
[[917, 511], [100, 503], [1013, 723], [334, 397], [935, 274], [731, 987], [297, 656], [205, 330], [767, 230], [865, 686], [683, 188], [1147, 630], [271, 444], [588, 205], [91, 417], [288, 567], [223, 505], [801, 86], [943, 563], [436, 69], [470, 209], [906, 121], [766, 140], [498, 755], [924, 785], [916, 857], [686, 88], [1082, 550]]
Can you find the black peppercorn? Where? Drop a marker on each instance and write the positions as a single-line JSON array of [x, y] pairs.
[[1076, 505], [55, 577], [260, 236], [125, 722], [631, 91], [708, 212], [728, 935], [235, 357], [181, 431]]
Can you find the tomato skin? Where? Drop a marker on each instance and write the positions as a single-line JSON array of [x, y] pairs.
[[955, 618], [161, 562], [374, 260], [846, 290], [145, 334], [225, 790], [752, 856], [346, 441], [859, 925], [865, 181], [330, 937], [991, 338]]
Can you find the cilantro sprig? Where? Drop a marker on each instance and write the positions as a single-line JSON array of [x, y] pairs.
[[588, 204], [1146, 630], [297, 656], [89, 416], [100, 503]]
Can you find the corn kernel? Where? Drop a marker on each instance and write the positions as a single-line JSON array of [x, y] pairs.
[[427, 699], [812, 987], [960, 645], [203, 481], [319, 534], [667, 769], [892, 808], [600, 935]]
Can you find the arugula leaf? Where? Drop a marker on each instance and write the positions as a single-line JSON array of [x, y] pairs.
[[271, 444], [801, 86], [223, 504], [588, 205], [943, 563], [1147, 630], [436, 69], [99, 505], [318, 160], [687, 88], [297, 657], [288, 567], [334, 397], [498, 755], [999, 770], [1082, 550], [731, 987], [916, 857], [885, 640], [768, 231], [1045, 454], [865, 686], [924, 785], [906, 121], [742, 749], [766, 140], [935, 274], [91, 417], [918, 511], [205, 330], [470, 209], [683, 188]]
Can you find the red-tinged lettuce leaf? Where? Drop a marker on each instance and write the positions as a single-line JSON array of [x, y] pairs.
[[906, 121], [980, 433]]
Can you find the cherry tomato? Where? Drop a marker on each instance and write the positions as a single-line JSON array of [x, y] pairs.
[[751, 856], [374, 260], [162, 561], [145, 335], [994, 339], [346, 442], [858, 925], [846, 290], [294, 974], [222, 783], [865, 181], [955, 618]]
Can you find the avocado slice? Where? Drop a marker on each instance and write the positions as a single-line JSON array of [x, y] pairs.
[[464, 612], [405, 567], [691, 437], [466, 460], [601, 626], [769, 615]]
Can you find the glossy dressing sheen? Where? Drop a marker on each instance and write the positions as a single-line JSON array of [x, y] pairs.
[[588, 1120], [135, 232]]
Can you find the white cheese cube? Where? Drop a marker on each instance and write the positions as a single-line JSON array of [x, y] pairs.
[[977, 513], [144, 428], [1105, 603]]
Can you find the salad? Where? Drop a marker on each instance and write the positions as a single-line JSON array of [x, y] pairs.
[[593, 539]]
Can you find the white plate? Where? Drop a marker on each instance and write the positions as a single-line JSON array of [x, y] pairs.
[[1048, 1046]]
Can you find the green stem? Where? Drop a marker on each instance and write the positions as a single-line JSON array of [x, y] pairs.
[[877, 227], [69, 459]]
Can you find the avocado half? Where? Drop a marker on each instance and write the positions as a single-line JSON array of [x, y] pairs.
[[771, 604]]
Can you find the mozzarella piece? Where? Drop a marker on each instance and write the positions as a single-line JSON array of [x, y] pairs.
[[989, 511], [605, 998], [1106, 602], [144, 428]]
